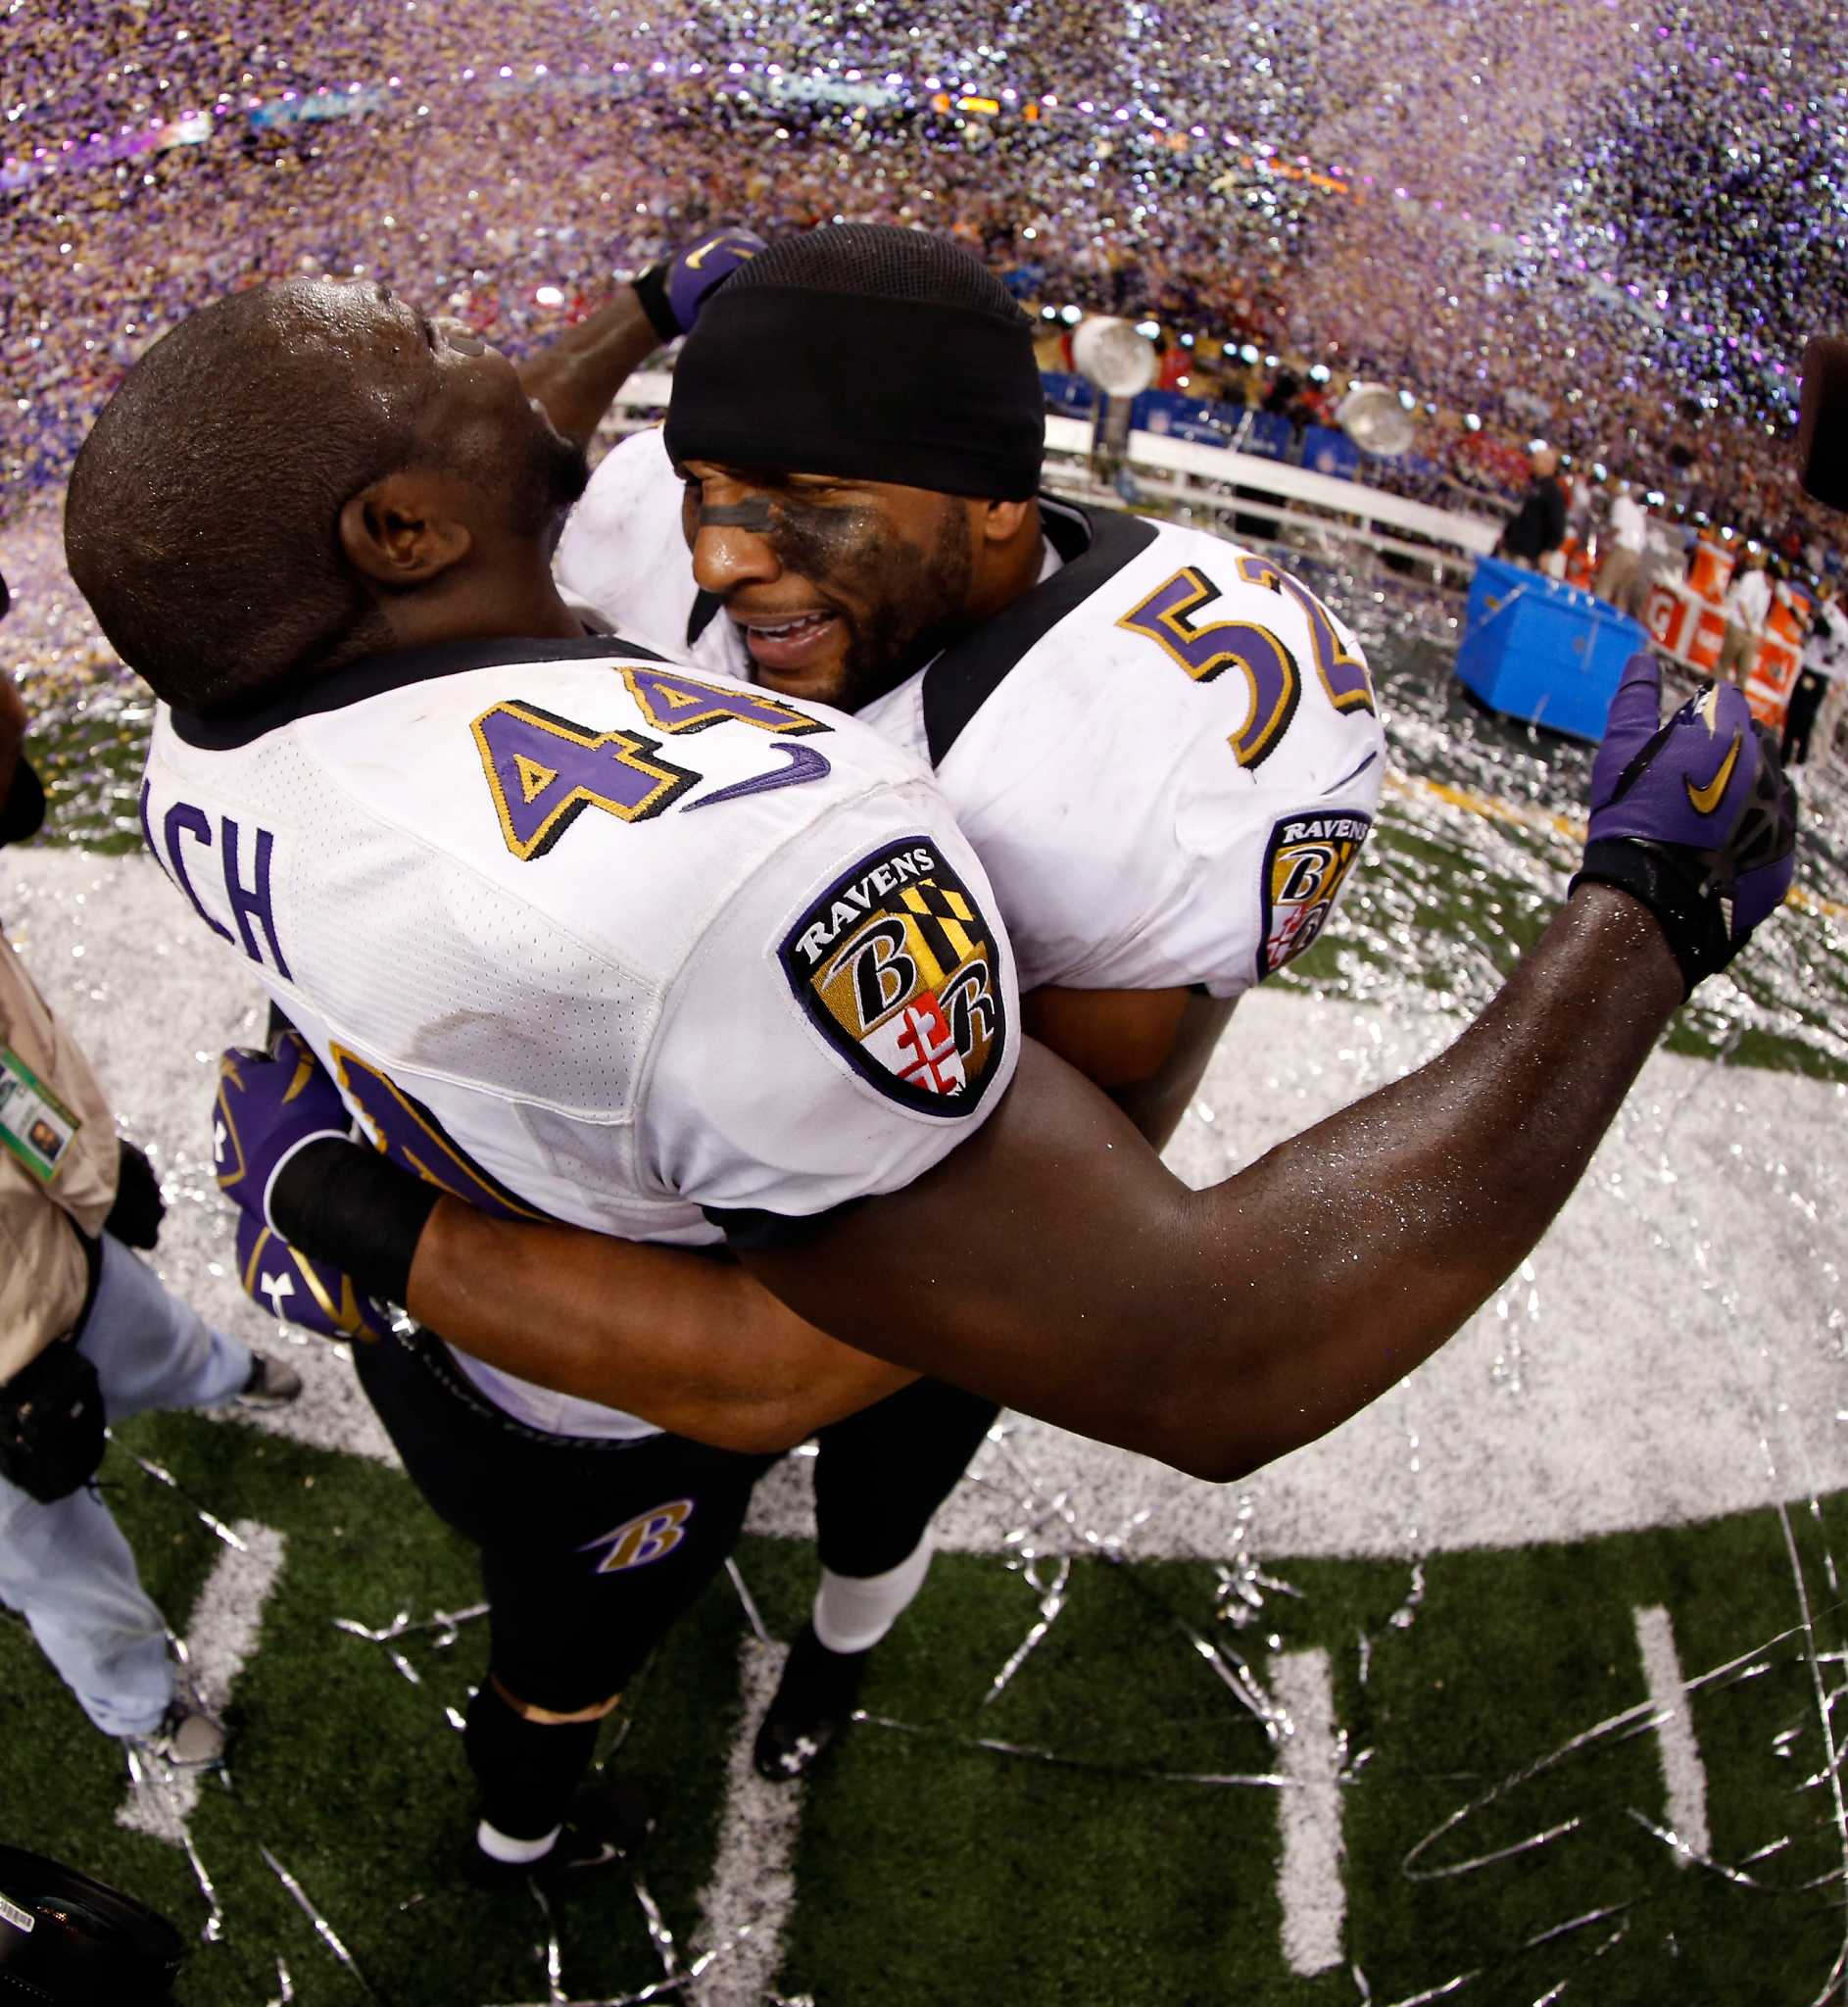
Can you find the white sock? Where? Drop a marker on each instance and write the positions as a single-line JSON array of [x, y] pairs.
[[517, 1854], [854, 1612]]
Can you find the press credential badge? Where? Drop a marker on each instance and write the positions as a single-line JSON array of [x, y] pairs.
[[34, 1124]]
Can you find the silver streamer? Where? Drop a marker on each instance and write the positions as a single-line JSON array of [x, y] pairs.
[[748, 1602], [155, 1780], [212, 1931], [554, 1957], [1052, 1602], [166, 1476], [658, 1935], [323, 1929]]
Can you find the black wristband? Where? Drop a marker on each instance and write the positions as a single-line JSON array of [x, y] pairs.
[[1671, 883], [650, 288], [345, 1203]]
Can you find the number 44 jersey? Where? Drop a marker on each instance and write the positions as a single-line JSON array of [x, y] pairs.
[[587, 936], [1167, 752]]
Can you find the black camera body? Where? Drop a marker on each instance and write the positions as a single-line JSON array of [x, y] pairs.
[[66, 1941]]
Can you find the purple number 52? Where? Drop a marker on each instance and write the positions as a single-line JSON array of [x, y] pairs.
[[1169, 618]]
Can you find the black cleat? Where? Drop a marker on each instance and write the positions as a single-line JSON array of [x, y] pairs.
[[604, 1828], [814, 1701]]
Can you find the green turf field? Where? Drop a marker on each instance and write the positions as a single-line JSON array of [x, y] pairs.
[[1107, 1829], [1132, 1744]]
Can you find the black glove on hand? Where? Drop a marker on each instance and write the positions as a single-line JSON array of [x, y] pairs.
[[137, 1215]]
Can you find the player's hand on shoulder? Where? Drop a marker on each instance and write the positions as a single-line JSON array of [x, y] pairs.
[[1694, 816], [270, 1104], [674, 291]]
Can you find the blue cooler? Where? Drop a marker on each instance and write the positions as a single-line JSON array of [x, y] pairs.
[[1538, 649]]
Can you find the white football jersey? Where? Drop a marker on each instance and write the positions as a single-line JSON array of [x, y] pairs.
[[468, 876], [1167, 754]]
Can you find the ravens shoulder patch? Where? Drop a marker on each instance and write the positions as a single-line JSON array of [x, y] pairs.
[[1305, 864], [897, 966]]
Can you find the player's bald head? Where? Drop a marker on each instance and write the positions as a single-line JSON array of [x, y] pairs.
[[301, 476], [202, 520]]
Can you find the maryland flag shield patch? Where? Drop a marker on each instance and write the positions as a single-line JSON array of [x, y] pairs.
[[896, 965], [1306, 866]]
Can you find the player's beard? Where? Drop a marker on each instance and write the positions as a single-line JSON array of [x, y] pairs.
[[554, 473], [910, 604]]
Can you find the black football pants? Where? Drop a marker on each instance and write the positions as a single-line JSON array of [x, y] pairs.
[[882, 1473], [589, 1548]]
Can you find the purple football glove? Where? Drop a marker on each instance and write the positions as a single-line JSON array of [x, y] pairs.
[[674, 291], [1696, 817], [268, 1106], [292, 1285]]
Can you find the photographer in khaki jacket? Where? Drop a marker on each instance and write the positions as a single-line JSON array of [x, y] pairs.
[[88, 1335]]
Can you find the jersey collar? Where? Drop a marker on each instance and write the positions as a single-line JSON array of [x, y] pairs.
[[375, 675], [1096, 545]]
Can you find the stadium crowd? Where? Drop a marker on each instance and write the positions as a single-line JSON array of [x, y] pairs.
[[1469, 209]]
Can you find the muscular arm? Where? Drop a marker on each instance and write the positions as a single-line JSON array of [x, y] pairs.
[[1146, 1048], [689, 1344], [577, 375], [701, 1346], [1052, 1264]]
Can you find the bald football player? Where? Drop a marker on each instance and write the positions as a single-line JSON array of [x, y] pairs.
[[451, 837]]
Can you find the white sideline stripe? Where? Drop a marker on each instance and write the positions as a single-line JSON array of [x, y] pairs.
[[1309, 1882], [753, 1890], [1682, 1771], [220, 1639]]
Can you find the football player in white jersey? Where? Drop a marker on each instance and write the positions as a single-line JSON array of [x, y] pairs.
[[1165, 750], [450, 835]]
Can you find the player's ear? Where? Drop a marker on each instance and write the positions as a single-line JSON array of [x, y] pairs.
[[402, 531], [1000, 523]]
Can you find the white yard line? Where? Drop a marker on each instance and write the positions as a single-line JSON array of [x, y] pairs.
[[221, 1640], [1310, 1881], [747, 1902], [1682, 1771]]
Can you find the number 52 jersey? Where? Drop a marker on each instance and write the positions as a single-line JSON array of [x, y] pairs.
[[1167, 752]]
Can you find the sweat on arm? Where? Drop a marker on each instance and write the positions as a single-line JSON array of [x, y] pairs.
[[1051, 1263]]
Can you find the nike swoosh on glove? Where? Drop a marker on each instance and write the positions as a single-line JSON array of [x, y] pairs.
[[268, 1106], [674, 291], [1694, 816]]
